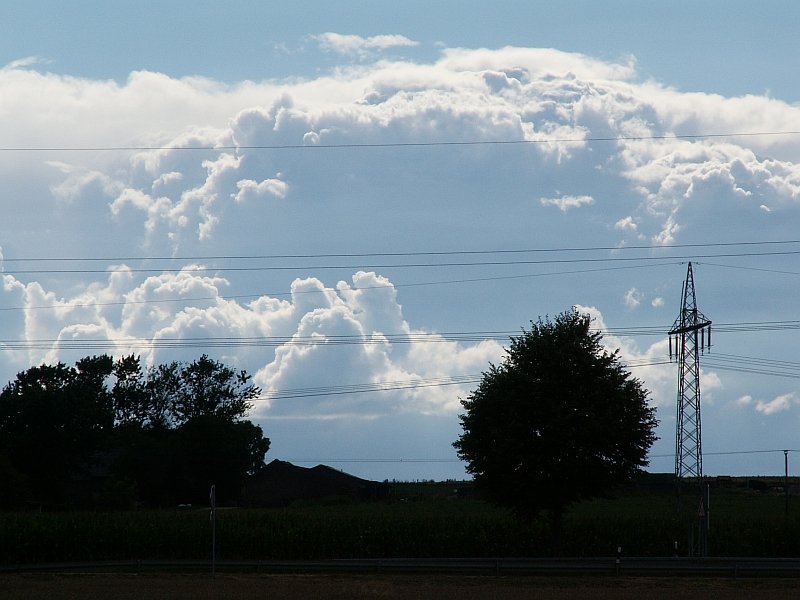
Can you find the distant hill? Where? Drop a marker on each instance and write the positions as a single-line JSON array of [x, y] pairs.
[[281, 483]]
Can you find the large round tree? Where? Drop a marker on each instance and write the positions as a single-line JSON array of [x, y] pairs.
[[559, 421]]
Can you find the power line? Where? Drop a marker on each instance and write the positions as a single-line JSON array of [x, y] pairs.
[[751, 326], [730, 453], [771, 372], [392, 254], [743, 268], [113, 259], [363, 340], [418, 383], [754, 360], [331, 289], [456, 460], [366, 145], [408, 265], [362, 388], [256, 341]]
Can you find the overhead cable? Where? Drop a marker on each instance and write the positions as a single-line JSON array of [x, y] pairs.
[[369, 145], [192, 269], [624, 248]]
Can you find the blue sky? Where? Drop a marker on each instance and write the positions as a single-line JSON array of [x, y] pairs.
[[265, 182], [728, 47]]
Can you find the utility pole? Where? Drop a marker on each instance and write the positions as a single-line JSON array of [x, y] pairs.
[[689, 337], [786, 480]]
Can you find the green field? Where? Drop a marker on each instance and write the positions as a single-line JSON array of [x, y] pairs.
[[421, 520]]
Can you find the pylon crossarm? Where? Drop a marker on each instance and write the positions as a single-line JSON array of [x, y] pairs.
[[678, 329]]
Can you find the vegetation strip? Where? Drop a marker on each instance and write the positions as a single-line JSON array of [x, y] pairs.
[[734, 566]]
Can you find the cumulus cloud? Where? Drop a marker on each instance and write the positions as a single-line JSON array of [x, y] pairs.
[[282, 189], [565, 203], [554, 99], [356, 44], [778, 404], [626, 224], [337, 339], [383, 347], [78, 181], [546, 64], [259, 189]]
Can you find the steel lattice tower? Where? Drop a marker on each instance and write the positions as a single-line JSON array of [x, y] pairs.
[[690, 336]]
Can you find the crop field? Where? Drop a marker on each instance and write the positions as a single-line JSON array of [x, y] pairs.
[[411, 587], [643, 520]]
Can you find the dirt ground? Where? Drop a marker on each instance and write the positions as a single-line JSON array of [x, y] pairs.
[[385, 587]]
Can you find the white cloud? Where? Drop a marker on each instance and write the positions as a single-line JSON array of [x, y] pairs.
[[355, 44], [545, 96], [778, 404], [270, 169], [710, 383], [547, 64], [565, 203], [22, 63], [392, 354], [633, 298], [347, 336], [626, 224], [78, 180], [259, 189]]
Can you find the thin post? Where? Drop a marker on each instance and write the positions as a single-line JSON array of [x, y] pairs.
[[213, 501], [786, 479], [707, 517]]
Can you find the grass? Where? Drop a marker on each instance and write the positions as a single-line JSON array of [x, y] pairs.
[[643, 520]]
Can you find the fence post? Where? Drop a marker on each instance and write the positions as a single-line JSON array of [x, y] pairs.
[[213, 501]]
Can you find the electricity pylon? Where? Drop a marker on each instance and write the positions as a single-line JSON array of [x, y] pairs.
[[690, 336]]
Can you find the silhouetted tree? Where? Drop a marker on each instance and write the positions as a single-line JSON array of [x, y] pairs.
[[132, 403], [205, 387], [54, 422], [185, 430], [216, 450], [559, 421], [169, 395], [158, 436]]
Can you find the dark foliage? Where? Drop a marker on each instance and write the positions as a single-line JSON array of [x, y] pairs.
[[155, 438], [171, 395], [559, 421], [54, 420]]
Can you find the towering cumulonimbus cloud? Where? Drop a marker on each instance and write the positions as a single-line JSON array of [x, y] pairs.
[[292, 227]]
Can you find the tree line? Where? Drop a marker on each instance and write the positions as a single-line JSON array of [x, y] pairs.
[[109, 433], [557, 422]]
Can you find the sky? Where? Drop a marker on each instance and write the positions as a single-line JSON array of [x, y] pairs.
[[360, 202]]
